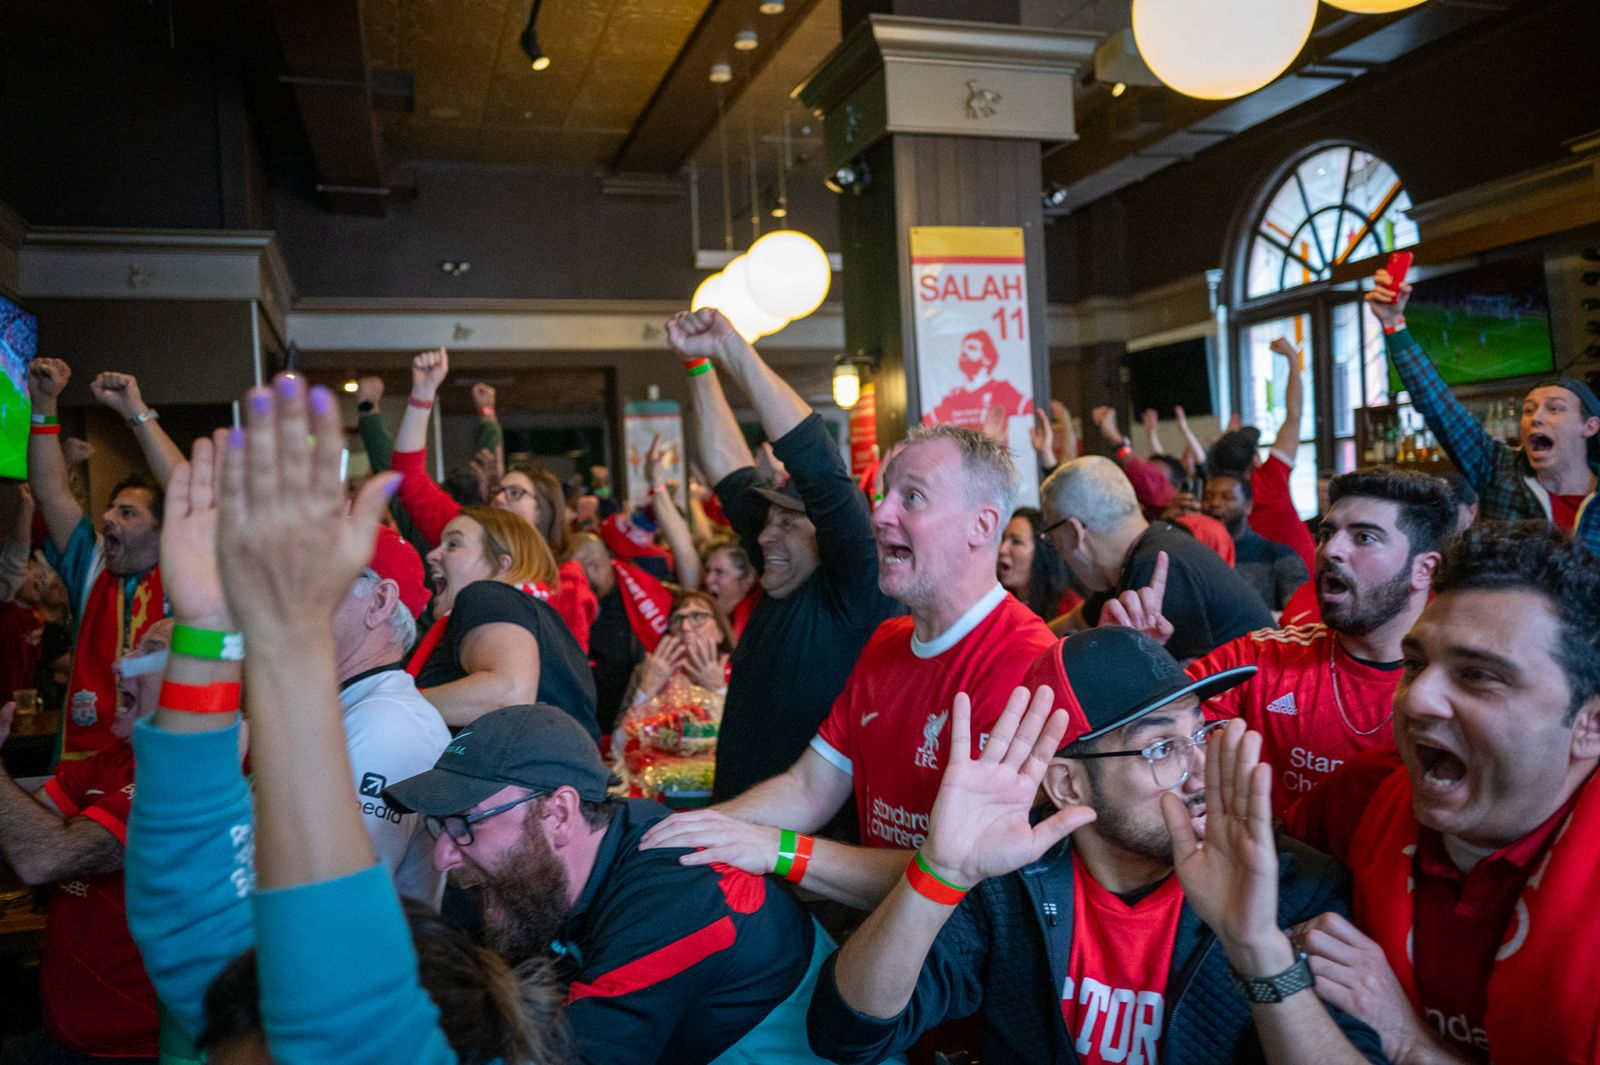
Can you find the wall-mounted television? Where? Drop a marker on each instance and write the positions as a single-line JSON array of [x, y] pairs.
[[1484, 323], [19, 342], [1171, 375]]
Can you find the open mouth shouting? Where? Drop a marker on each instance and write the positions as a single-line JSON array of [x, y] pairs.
[[1333, 586], [892, 553], [1443, 769], [1540, 446]]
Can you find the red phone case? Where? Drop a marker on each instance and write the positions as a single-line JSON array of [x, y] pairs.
[[1399, 262]]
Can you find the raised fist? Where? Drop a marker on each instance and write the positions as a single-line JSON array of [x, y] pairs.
[[47, 378], [483, 396], [369, 389], [120, 392], [428, 371], [699, 334]]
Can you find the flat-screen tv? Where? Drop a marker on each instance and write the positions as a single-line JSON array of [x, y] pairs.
[[1171, 375], [1485, 322], [19, 342]]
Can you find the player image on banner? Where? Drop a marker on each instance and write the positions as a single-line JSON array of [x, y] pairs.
[[974, 356], [968, 405]]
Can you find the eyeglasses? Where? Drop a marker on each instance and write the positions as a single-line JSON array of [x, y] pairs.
[[514, 493], [698, 617], [1170, 760], [460, 825], [1044, 533]]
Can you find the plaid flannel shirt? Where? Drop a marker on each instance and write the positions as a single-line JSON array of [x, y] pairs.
[[1501, 474]]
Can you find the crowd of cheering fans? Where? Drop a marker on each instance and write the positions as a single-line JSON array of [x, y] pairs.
[[778, 765]]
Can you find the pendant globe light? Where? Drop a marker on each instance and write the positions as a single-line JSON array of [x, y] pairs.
[[788, 273], [726, 291], [1220, 49], [1373, 7]]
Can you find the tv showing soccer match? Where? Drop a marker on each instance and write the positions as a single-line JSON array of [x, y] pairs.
[[1484, 323], [19, 341]]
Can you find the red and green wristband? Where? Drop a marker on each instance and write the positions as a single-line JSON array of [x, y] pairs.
[[794, 854], [930, 885], [699, 366], [44, 425], [207, 643]]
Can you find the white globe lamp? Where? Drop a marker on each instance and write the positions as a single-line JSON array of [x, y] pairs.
[[726, 292], [1373, 7], [788, 274], [1220, 49]]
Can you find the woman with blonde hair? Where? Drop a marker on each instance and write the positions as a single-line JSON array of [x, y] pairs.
[[497, 641]]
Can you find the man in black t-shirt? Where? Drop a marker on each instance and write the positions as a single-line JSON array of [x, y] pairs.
[[564, 679], [811, 541], [1093, 519]]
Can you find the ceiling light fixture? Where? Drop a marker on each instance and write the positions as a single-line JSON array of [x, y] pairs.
[[721, 73], [1374, 7], [1119, 88], [1220, 49], [846, 382], [745, 41], [352, 386], [771, 7], [530, 39]]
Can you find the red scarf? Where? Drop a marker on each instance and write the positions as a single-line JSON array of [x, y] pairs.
[[646, 600], [102, 639], [435, 633], [1541, 1007]]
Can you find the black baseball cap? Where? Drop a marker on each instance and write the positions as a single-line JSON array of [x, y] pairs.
[[785, 495], [1234, 452], [537, 747], [1109, 677]]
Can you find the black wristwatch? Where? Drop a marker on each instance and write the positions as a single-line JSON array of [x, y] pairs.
[[366, 406], [1296, 978]]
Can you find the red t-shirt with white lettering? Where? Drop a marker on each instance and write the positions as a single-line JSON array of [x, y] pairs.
[[1314, 705], [96, 997], [890, 727], [1272, 512], [1114, 998]]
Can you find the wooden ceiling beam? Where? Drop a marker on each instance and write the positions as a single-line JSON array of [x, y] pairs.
[[683, 110]]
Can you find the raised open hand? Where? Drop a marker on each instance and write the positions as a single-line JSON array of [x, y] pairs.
[[979, 825], [1231, 879], [1140, 608], [189, 539], [1105, 419], [1181, 418], [288, 548], [1042, 437], [1150, 420], [705, 333], [428, 371], [994, 422]]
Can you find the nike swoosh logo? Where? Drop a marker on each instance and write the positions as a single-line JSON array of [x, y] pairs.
[[868, 717]]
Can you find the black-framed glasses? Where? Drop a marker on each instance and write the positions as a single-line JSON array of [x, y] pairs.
[[699, 617], [514, 493], [1170, 760], [1045, 532], [459, 826]]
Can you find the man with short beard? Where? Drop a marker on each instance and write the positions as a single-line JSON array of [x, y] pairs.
[[1096, 929], [1474, 933], [666, 962], [1270, 567], [1323, 691], [112, 574]]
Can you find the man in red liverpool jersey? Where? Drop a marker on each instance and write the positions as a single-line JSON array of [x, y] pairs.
[[947, 496], [1323, 692], [1474, 931], [1090, 949]]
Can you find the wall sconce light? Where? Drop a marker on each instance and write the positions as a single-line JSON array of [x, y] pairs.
[[847, 371]]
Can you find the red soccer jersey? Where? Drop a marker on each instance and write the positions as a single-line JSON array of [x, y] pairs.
[[96, 997], [1314, 705], [1272, 511], [1303, 607], [890, 727], [1114, 998]]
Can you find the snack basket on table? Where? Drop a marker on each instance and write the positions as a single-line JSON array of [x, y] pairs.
[[666, 746]]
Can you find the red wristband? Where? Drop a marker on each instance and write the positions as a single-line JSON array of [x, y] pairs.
[[200, 698], [699, 366], [420, 404], [1401, 324], [487, 412], [930, 885], [1123, 452], [44, 430], [802, 858]]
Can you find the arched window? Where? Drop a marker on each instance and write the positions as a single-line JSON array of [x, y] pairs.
[[1294, 261], [1338, 205]]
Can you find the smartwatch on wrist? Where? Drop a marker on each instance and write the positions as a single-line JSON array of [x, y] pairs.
[[149, 414], [1296, 978]]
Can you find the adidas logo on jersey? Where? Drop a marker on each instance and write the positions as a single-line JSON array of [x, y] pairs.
[[1283, 704]]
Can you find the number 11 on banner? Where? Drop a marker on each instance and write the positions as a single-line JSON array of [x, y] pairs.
[[1005, 321]]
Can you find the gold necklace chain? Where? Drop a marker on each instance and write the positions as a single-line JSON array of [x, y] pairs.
[[1338, 702]]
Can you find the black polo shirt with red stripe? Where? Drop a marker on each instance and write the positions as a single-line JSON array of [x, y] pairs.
[[670, 962]]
